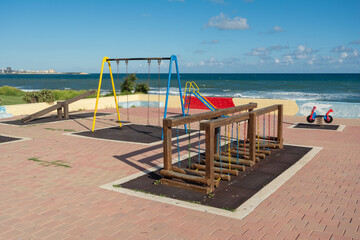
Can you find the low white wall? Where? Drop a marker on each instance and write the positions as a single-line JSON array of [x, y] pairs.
[[290, 106], [89, 104]]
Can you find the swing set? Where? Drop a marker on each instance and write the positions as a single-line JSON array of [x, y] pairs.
[[172, 59], [231, 144]]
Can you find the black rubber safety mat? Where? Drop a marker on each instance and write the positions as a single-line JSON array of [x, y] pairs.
[[317, 126], [229, 195], [130, 133], [4, 139], [53, 118]]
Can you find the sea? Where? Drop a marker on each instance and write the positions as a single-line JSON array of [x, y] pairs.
[[341, 92]]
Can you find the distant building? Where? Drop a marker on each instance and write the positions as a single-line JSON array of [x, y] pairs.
[[8, 70]]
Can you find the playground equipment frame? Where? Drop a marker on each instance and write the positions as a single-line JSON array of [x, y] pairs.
[[172, 59]]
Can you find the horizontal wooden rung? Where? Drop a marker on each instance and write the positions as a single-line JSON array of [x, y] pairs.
[[189, 186], [216, 175], [226, 165], [216, 169], [198, 173], [185, 177], [234, 160], [266, 152], [241, 153]]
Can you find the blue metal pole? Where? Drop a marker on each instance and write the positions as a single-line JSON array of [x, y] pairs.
[[174, 58], [168, 88], [167, 95]]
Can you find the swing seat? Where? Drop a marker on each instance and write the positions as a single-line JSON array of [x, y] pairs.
[[123, 122]]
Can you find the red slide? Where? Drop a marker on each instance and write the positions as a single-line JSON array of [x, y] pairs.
[[218, 102]]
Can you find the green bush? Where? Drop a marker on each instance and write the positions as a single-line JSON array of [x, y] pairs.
[[30, 97], [66, 94], [129, 83], [142, 88], [46, 96], [129, 86], [39, 96], [11, 91]]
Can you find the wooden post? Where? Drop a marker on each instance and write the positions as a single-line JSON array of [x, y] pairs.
[[250, 110], [280, 127], [66, 110], [216, 136], [251, 134], [59, 111], [209, 153], [167, 146]]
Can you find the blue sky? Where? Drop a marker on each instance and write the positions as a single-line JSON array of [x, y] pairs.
[[230, 36]]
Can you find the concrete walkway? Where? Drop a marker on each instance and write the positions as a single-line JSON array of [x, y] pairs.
[[55, 202]]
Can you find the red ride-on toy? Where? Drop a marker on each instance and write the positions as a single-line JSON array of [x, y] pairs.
[[327, 118]]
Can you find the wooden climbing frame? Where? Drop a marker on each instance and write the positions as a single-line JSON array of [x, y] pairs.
[[174, 121], [205, 176]]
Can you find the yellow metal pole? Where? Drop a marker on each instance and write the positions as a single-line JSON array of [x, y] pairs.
[[98, 92], [113, 86]]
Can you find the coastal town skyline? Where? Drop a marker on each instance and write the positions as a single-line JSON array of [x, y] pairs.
[[209, 36]]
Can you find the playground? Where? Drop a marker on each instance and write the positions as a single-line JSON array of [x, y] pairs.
[[199, 171]]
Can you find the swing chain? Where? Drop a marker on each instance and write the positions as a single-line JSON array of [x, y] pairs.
[[118, 80], [127, 95], [159, 122], [178, 147], [148, 108]]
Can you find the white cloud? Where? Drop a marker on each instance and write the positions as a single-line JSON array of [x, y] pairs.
[[311, 61], [261, 51], [278, 29], [287, 59], [301, 48], [211, 62], [341, 49], [347, 54], [355, 42], [276, 60], [275, 29], [344, 55], [223, 22], [277, 48], [302, 52]]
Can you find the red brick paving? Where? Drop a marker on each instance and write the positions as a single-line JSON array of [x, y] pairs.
[[37, 202]]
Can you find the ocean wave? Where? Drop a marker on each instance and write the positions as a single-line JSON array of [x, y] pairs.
[[288, 95], [29, 90], [291, 95]]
